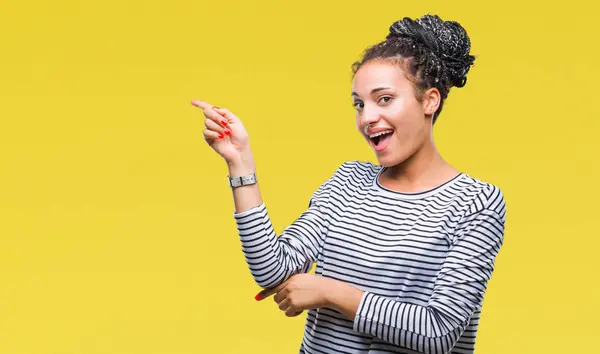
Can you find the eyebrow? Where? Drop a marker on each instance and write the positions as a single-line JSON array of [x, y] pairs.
[[372, 91]]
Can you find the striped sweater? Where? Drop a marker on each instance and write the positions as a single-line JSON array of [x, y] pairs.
[[423, 260]]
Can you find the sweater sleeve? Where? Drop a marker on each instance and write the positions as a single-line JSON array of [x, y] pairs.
[[274, 259], [458, 290]]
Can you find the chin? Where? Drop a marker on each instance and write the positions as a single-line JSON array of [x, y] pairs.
[[390, 158], [388, 162]]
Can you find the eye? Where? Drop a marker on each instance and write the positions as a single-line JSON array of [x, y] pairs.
[[357, 103], [389, 98]]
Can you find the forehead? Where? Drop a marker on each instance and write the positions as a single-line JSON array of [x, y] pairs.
[[378, 73]]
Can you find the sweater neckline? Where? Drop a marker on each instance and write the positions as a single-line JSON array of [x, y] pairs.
[[412, 196]]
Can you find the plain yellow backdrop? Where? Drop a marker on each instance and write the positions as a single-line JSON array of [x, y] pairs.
[[116, 226]]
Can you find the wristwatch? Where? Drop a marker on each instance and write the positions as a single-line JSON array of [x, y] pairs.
[[242, 180]]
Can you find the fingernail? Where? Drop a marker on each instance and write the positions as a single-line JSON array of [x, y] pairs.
[[227, 131], [257, 297], [220, 136], [224, 122], [215, 107]]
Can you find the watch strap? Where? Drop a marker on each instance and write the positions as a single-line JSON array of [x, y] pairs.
[[237, 181]]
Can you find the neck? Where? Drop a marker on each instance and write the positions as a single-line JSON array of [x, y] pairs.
[[423, 169]]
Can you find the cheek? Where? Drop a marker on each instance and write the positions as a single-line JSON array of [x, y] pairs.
[[404, 136], [409, 127], [410, 116]]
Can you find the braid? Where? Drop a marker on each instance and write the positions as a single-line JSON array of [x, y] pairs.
[[435, 52]]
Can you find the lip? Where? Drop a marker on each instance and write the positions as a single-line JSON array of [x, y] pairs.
[[376, 130]]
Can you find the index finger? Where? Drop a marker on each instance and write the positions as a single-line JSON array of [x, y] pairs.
[[201, 104], [268, 292]]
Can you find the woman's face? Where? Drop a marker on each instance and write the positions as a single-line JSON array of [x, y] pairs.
[[385, 102]]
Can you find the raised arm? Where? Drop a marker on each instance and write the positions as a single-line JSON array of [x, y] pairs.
[[271, 259]]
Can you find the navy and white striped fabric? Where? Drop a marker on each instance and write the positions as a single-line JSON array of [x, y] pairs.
[[423, 260]]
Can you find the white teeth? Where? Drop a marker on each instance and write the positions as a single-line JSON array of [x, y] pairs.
[[380, 133]]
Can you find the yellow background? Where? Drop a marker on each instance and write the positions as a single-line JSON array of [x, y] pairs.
[[116, 227]]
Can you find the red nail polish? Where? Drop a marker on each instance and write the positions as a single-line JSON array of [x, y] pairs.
[[257, 297], [220, 136], [227, 132], [224, 122]]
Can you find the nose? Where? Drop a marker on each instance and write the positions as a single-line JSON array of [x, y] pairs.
[[369, 118]]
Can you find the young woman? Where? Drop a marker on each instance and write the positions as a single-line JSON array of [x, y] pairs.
[[405, 248]]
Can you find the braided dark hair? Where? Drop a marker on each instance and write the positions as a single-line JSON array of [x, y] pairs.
[[435, 54]]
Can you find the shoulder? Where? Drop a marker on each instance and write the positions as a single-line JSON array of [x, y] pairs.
[[356, 172], [358, 167], [482, 209], [483, 196], [347, 176], [351, 175]]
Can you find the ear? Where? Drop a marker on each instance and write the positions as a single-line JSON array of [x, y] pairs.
[[431, 101]]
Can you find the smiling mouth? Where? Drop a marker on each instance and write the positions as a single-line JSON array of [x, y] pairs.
[[379, 138]]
